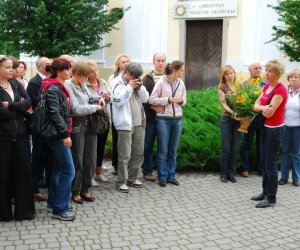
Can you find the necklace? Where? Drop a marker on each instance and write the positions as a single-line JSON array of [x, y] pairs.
[[7, 85]]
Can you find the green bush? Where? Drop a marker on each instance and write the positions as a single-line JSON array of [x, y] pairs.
[[200, 142]]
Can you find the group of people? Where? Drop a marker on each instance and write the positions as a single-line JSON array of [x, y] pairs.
[[71, 159], [140, 111], [280, 105]]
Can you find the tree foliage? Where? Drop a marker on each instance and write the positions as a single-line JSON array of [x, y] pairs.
[[287, 36], [9, 48], [54, 27]]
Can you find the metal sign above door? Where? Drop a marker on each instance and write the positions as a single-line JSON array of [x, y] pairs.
[[205, 9]]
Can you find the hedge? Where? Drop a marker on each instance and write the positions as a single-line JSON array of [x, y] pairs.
[[200, 141]]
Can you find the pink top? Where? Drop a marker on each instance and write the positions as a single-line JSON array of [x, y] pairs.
[[277, 119]]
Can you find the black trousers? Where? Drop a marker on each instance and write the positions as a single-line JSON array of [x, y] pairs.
[[114, 148], [42, 162], [101, 141], [15, 180]]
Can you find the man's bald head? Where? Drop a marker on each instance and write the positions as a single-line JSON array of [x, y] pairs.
[[69, 58]]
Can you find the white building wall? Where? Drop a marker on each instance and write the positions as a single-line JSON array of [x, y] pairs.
[[145, 29], [256, 30], [148, 27]]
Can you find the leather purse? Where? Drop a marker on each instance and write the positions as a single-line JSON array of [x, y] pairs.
[[98, 122], [40, 123]]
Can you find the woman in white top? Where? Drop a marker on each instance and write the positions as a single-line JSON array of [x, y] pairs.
[[291, 139], [121, 62]]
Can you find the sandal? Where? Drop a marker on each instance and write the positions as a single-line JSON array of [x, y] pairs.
[[77, 200], [87, 197]]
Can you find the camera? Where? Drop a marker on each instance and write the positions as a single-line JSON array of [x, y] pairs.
[[139, 81]]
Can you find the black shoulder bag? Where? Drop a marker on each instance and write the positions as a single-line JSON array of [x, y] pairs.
[[40, 122], [258, 120]]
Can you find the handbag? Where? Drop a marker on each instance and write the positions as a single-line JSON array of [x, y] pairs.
[[258, 120], [40, 123], [98, 122]]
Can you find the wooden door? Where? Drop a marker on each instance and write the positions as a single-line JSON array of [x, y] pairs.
[[203, 53]]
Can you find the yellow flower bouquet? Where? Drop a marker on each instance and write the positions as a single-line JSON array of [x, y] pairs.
[[242, 101]]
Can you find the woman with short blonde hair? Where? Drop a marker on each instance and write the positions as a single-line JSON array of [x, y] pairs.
[[271, 103], [83, 104]]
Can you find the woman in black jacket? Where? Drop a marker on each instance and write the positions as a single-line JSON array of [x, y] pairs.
[[58, 105], [15, 175]]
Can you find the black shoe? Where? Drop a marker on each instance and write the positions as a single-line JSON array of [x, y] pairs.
[[31, 217], [296, 183], [173, 182], [265, 203], [162, 183], [223, 179], [232, 179], [282, 182], [259, 197]]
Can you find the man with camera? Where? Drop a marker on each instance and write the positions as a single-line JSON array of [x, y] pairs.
[[128, 94]]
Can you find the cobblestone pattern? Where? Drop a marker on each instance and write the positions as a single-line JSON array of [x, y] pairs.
[[201, 213]]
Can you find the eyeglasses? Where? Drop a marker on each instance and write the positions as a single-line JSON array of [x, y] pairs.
[[3, 59]]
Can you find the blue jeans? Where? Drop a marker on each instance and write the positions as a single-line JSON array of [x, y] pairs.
[[150, 136], [62, 176], [270, 141], [291, 146], [230, 144], [169, 132], [246, 148]]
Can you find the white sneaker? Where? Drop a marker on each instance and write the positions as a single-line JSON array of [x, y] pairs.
[[101, 178], [123, 188], [136, 184], [94, 183]]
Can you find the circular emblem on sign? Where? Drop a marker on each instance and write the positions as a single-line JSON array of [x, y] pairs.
[[180, 10]]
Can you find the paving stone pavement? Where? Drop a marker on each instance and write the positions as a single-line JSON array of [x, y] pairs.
[[201, 213]]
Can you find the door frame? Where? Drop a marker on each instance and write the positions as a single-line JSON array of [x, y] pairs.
[[182, 39]]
